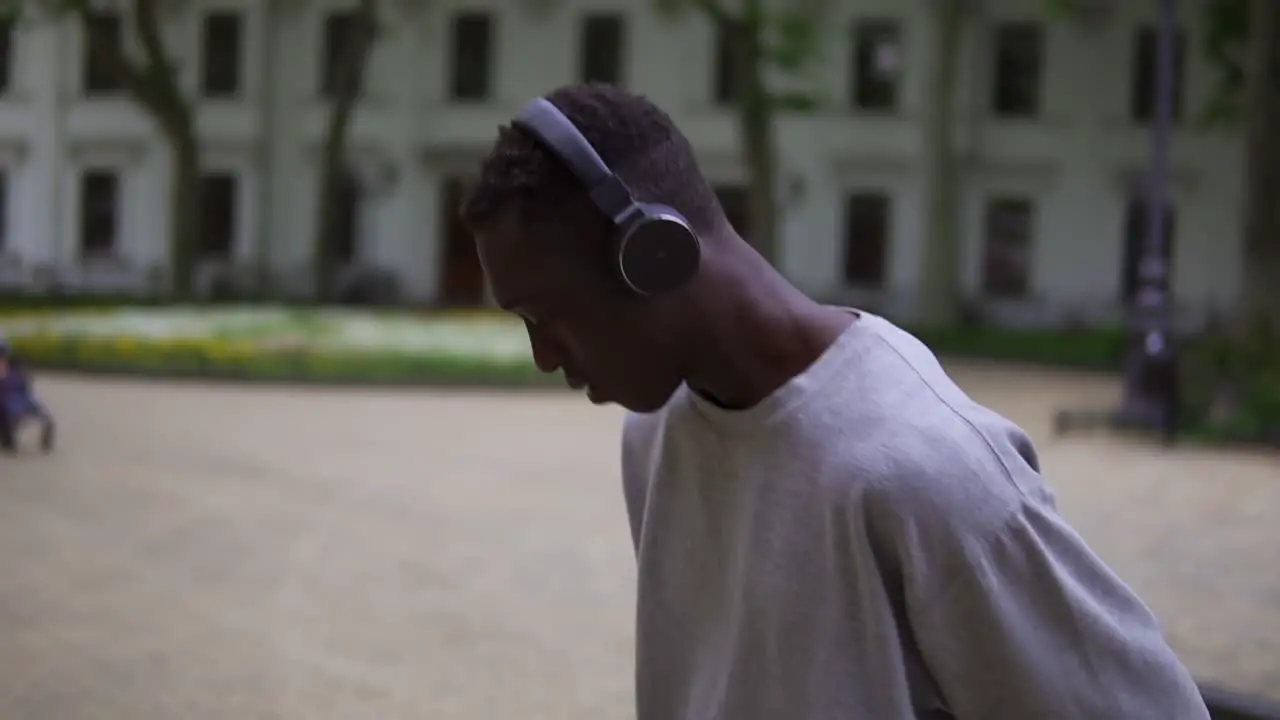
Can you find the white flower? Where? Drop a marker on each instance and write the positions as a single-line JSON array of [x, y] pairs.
[[482, 337]]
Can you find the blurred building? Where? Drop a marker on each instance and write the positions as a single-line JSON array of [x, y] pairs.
[[1052, 133]]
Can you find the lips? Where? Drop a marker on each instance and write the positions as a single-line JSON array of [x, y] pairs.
[[575, 383]]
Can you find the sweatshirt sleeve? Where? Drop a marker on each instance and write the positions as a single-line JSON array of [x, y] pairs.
[[1032, 624]]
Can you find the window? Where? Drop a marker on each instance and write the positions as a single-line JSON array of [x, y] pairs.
[[1019, 62], [733, 201], [339, 28], [866, 238], [6, 54], [1135, 244], [472, 56], [222, 41], [602, 48], [99, 212], [1143, 101], [103, 42], [726, 83], [1008, 229], [877, 64], [218, 213]]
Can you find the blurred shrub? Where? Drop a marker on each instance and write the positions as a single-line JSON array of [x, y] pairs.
[[1231, 382], [1077, 348]]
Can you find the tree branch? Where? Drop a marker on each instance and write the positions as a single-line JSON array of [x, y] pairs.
[[354, 52], [714, 9], [110, 52], [147, 27]]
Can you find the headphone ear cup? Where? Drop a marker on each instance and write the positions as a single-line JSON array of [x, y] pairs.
[[658, 252]]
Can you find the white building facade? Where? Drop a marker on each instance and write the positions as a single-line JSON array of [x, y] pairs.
[[1052, 137]]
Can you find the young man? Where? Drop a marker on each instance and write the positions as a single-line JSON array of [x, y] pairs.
[[826, 526]]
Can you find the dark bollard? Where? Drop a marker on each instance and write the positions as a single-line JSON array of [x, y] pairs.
[[1151, 394], [1227, 705]]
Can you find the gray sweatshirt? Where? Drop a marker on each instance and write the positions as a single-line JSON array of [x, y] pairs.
[[868, 543]]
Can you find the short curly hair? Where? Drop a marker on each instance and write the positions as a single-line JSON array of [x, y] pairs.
[[634, 137]]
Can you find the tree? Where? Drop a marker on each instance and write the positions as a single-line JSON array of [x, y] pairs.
[[1242, 41], [150, 77], [1226, 37], [939, 289], [1260, 294], [360, 31], [760, 40]]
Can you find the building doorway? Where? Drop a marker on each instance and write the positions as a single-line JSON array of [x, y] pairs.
[[218, 198], [461, 279], [347, 216]]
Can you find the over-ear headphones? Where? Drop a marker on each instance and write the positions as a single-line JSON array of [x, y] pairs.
[[656, 249]]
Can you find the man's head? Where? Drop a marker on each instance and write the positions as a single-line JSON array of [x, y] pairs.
[[547, 253]]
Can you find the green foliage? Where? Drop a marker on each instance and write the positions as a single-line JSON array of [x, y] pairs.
[[1230, 381], [1231, 384], [671, 9], [798, 102], [787, 39], [290, 366], [1080, 348], [27, 8], [794, 40], [1061, 8], [1225, 44]]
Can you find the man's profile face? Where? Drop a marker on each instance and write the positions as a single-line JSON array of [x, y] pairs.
[[580, 320]]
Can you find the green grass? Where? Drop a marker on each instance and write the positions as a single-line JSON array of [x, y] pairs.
[[317, 358], [1094, 349]]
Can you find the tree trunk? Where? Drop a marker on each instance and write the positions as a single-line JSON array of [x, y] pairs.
[[153, 85], [755, 116], [1261, 291], [939, 284], [185, 206], [355, 56]]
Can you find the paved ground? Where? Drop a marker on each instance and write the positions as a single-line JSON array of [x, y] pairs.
[[213, 552]]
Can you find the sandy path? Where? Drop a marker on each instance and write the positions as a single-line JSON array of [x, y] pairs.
[[226, 552]]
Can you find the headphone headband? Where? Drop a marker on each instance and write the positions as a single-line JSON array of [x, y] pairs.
[[559, 135], [655, 249]]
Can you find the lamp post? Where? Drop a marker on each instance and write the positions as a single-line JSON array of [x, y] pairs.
[[1150, 395]]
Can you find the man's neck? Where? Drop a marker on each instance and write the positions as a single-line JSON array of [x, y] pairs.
[[759, 337]]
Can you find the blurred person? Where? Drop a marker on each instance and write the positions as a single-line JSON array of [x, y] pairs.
[[18, 404], [825, 525]]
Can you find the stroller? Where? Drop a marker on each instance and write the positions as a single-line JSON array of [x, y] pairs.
[[18, 404]]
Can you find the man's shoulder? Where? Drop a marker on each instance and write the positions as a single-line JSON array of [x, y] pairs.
[[905, 425], [914, 455], [931, 491]]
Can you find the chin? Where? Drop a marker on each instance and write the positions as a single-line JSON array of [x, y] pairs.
[[645, 405]]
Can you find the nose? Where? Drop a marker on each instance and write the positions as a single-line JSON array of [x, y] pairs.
[[547, 354]]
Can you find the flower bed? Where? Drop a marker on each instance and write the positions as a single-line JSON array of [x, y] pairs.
[[276, 343]]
